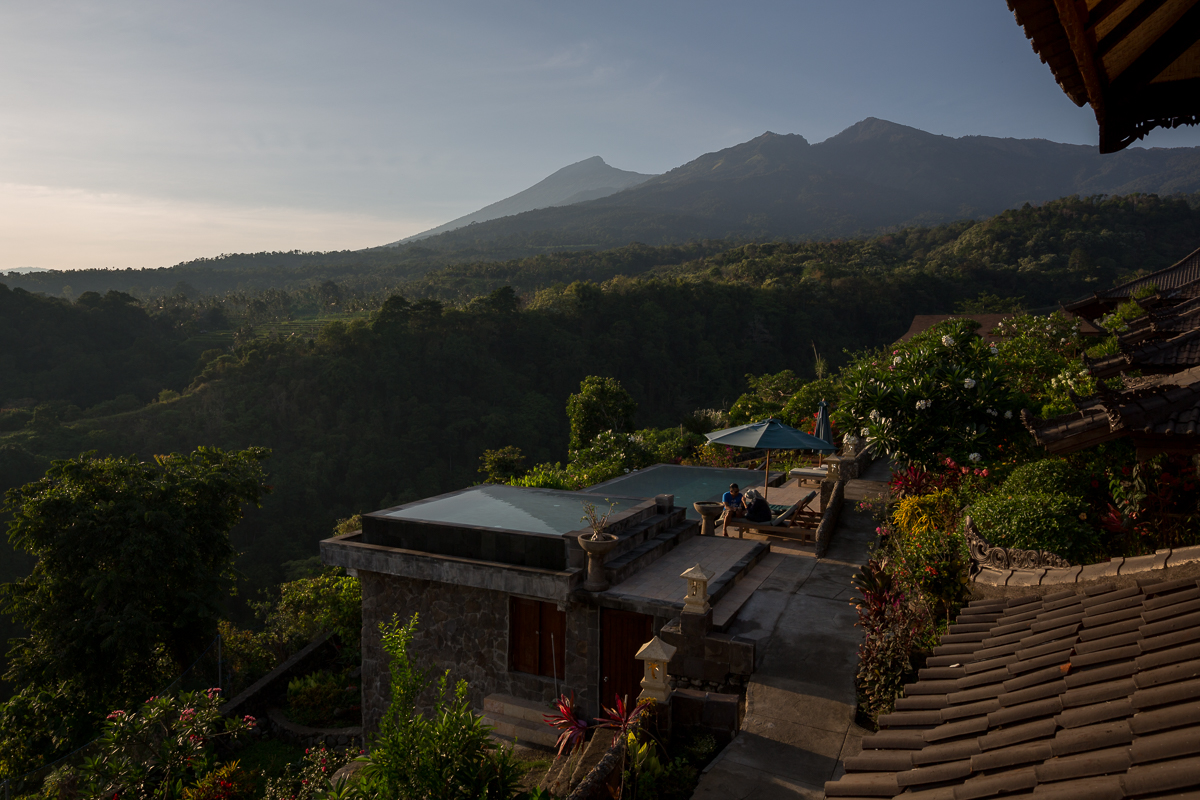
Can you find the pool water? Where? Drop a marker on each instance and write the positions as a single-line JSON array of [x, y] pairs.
[[688, 484], [511, 508]]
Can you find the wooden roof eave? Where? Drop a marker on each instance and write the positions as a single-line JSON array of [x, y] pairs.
[[1083, 49]]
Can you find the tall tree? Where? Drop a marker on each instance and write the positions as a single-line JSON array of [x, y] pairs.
[[602, 404], [133, 566]]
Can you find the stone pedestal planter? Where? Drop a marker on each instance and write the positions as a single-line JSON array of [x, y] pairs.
[[709, 512], [596, 550]]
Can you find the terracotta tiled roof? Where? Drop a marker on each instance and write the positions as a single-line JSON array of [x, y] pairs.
[[987, 323], [1184, 272], [1178, 352], [1169, 407], [1164, 355], [1094, 696], [1163, 322]]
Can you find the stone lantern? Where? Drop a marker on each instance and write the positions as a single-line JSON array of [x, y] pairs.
[[655, 655], [696, 601]]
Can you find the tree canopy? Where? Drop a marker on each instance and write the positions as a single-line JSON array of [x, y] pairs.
[[133, 566]]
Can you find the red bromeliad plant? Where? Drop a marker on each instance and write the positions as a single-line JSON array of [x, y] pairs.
[[622, 717], [894, 627], [914, 480], [572, 727]]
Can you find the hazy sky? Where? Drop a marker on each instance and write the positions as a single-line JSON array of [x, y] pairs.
[[146, 133]]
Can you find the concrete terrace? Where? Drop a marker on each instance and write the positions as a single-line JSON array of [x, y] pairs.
[[799, 723]]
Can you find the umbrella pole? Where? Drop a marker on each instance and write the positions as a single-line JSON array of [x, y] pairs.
[[767, 475]]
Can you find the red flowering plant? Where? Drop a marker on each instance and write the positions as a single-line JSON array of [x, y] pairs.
[[162, 750], [1155, 504], [314, 776]]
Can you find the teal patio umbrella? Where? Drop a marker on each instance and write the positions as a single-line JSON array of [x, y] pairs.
[[770, 434]]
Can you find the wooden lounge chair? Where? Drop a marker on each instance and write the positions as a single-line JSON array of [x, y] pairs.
[[794, 523]]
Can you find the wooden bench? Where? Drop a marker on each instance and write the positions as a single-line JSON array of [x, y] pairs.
[[803, 525]]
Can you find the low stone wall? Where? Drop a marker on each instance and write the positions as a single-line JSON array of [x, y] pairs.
[[1054, 576], [705, 659], [829, 519], [710, 712], [285, 730]]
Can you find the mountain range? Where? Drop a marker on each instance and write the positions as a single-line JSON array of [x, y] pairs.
[[873, 176]]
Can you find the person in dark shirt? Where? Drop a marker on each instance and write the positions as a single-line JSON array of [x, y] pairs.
[[735, 506], [757, 509]]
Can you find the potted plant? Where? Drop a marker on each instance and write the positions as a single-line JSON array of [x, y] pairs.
[[597, 545]]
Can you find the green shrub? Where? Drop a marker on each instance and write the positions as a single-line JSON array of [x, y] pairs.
[[312, 778], [446, 752], [546, 476], [1051, 521], [1050, 475]]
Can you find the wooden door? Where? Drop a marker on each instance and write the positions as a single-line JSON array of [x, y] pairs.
[[622, 634]]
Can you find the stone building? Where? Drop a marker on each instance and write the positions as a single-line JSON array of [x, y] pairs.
[[496, 575]]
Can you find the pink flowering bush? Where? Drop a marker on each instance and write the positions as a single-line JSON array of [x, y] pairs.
[[162, 749]]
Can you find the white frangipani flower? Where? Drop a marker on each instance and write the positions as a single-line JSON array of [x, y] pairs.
[[948, 340], [1008, 415], [975, 457], [969, 383]]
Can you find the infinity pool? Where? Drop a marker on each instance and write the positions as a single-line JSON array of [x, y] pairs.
[[688, 484]]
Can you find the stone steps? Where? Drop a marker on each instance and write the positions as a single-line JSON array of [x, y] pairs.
[[618, 569], [518, 719], [651, 527], [727, 608], [722, 585]]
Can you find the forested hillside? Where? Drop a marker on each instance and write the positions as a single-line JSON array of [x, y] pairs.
[[385, 405], [87, 352]]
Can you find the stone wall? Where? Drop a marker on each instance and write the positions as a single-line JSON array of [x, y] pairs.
[[705, 659], [465, 630]]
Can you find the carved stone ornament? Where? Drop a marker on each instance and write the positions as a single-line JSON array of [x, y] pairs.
[[985, 555]]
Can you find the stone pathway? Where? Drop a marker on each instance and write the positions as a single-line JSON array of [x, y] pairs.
[[799, 722]]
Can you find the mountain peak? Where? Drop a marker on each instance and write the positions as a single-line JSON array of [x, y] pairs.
[[588, 179], [873, 129]]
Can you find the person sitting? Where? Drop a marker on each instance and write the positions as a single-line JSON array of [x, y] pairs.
[[735, 506], [757, 509]]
